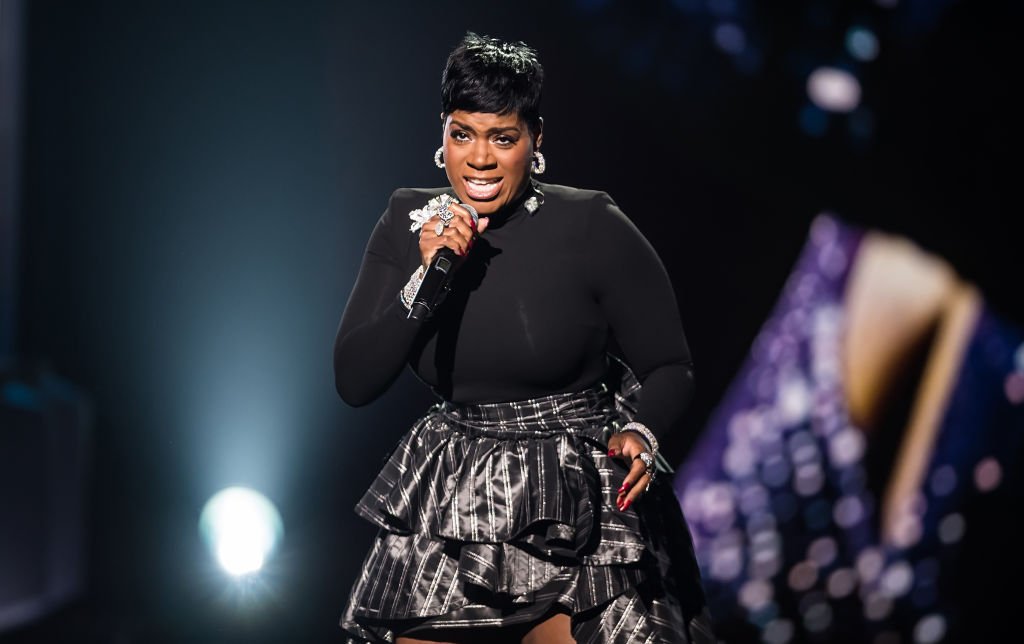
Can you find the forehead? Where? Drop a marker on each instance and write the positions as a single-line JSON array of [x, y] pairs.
[[486, 120]]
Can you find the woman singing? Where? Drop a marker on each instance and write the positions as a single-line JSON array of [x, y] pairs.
[[524, 507]]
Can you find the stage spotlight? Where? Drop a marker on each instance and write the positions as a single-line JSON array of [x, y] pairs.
[[241, 527], [833, 89]]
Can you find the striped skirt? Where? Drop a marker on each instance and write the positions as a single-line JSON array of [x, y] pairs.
[[498, 515]]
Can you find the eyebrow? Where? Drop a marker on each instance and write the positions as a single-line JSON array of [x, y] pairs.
[[493, 130]]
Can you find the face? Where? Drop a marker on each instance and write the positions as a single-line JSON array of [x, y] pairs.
[[487, 157]]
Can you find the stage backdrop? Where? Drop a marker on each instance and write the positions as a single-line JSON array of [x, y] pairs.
[[199, 180]]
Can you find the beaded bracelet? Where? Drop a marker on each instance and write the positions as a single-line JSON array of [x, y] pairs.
[[408, 292], [646, 434]]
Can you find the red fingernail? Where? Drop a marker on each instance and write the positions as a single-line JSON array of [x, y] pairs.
[[625, 488], [625, 506], [612, 452]]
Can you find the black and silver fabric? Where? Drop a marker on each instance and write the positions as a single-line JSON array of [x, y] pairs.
[[496, 515]]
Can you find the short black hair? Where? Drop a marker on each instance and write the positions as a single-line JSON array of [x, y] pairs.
[[485, 74]]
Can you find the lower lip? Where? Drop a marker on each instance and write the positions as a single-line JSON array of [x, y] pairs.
[[478, 192]]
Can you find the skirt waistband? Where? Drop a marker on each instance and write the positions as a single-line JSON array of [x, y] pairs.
[[544, 416]]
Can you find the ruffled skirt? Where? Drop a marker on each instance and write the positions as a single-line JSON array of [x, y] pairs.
[[498, 515]]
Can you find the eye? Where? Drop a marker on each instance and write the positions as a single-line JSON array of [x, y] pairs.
[[460, 135], [505, 141]]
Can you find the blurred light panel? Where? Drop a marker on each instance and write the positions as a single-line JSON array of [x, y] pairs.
[[833, 89], [241, 527]]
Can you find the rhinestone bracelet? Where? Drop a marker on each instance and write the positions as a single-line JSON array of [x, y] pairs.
[[646, 434], [408, 293]]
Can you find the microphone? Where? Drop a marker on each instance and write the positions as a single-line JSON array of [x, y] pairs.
[[436, 282]]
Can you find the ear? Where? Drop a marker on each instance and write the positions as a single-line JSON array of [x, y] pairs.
[[540, 134]]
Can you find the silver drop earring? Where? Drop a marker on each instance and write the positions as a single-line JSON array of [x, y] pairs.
[[439, 157], [539, 164]]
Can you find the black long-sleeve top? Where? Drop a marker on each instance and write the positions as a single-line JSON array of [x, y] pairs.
[[540, 300]]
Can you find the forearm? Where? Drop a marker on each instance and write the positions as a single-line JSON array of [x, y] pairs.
[[665, 395], [370, 355], [375, 336]]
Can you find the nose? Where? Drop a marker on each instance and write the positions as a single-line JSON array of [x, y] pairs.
[[480, 157]]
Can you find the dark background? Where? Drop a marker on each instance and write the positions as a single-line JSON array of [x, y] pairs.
[[198, 180]]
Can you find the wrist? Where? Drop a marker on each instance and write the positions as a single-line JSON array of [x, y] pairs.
[[408, 292], [643, 432]]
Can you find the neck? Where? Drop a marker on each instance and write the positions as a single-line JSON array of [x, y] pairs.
[[514, 205]]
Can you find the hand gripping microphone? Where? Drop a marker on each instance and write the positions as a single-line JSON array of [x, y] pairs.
[[437, 280]]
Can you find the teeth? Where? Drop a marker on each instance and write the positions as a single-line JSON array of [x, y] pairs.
[[482, 189]]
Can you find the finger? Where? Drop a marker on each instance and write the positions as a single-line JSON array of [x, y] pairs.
[[462, 213], [461, 228], [460, 224], [615, 445], [453, 239], [636, 471], [482, 224], [637, 490], [629, 446], [428, 233], [431, 242]]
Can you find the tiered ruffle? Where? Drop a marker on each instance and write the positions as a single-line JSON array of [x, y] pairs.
[[491, 515]]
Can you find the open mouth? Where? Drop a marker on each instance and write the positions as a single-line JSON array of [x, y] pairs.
[[480, 189]]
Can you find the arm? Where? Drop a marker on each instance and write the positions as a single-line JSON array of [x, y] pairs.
[[637, 298], [375, 336]]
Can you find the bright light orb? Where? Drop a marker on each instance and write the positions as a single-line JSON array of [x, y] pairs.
[[241, 527], [833, 89]]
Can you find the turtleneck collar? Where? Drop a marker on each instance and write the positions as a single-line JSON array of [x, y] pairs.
[[527, 203]]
